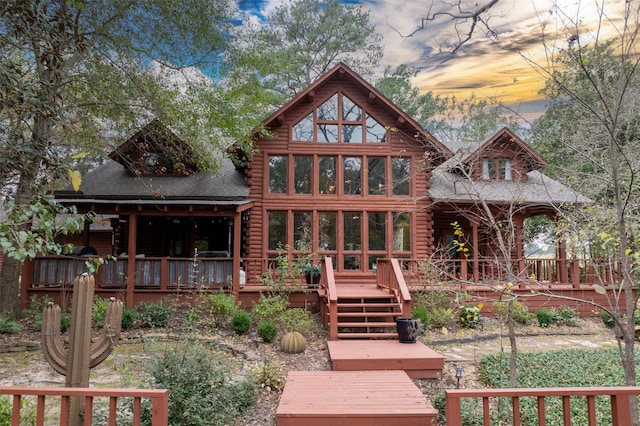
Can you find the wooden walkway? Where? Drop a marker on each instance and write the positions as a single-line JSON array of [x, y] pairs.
[[415, 359], [354, 398]]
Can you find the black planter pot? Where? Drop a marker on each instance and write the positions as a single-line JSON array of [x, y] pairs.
[[408, 330], [312, 280]]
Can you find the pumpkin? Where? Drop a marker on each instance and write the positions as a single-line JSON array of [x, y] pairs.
[[293, 343]]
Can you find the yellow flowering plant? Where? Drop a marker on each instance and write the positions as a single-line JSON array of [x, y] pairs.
[[469, 316]]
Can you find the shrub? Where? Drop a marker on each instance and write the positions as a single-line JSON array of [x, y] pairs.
[[269, 374], [222, 307], [296, 319], [636, 317], [269, 307], [154, 314], [65, 322], [35, 308], [441, 317], [241, 322], [420, 312], [191, 316], [200, 393], [267, 331], [469, 316], [470, 410], [545, 317], [9, 326], [607, 319], [99, 311], [520, 312], [129, 317], [568, 315]]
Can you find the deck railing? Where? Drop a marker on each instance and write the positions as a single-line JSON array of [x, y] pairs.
[[618, 399], [328, 286], [159, 404], [389, 275], [151, 272]]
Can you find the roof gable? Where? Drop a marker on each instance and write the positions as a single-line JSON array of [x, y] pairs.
[[155, 150], [352, 81]]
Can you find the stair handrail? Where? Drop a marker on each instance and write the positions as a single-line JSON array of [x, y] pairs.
[[398, 285], [328, 283]]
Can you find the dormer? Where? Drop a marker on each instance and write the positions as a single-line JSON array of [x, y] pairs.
[[155, 150], [503, 157]]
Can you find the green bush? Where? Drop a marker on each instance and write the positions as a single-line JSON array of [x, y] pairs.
[[154, 314], [129, 317], [65, 322], [420, 312], [200, 391], [268, 374], [34, 310], [99, 311], [520, 312], [267, 331], [441, 317], [9, 326], [222, 307], [241, 322], [269, 307], [296, 319], [469, 316], [567, 315], [636, 317], [545, 316], [607, 319]]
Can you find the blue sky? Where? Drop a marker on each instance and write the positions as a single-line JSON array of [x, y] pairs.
[[484, 67]]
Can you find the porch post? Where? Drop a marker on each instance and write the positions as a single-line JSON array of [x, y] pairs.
[[237, 225], [476, 256], [519, 224], [131, 259], [563, 274]]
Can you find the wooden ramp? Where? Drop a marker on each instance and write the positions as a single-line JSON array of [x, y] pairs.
[[415, 359], [354, 398]]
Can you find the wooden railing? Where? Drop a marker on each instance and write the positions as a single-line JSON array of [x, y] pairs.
[[389, 275], [151, 272], [328, 286], [159, 404], [618, 397]]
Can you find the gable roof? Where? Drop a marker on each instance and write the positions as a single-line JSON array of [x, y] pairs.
[[404, 122]]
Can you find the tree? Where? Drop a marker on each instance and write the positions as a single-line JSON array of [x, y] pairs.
[[78, 76], [591, 134], [301, 41]]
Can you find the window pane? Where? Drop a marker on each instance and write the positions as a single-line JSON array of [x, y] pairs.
[[352, 175], [352, 231], [505, 169], [375, 131], [377, 176], [329, 110], [352, 262], [302, 169], [401, 232], [278, 174], [488, 168], [277, 229], [327, 133], [327, 173], [351, 133], [303, 130], [377, 231], [350, 111], [400, 176], [302, 236], [327, 230]]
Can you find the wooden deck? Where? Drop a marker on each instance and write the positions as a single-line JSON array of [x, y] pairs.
[[415, 359], [354, 398]]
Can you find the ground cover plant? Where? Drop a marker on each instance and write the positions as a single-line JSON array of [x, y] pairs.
[[555, 369]]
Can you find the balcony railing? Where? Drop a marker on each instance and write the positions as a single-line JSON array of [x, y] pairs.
[[618, 402], [92, 396]]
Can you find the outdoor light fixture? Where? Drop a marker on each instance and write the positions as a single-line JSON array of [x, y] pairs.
[[558, 320], [254, 337], [459, 371]]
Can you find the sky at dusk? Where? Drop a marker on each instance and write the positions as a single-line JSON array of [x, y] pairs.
[[485, 67]]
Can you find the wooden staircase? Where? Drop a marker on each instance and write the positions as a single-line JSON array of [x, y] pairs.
[[366, 313]]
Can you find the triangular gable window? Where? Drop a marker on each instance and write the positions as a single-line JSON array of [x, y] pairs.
[[339, 120]]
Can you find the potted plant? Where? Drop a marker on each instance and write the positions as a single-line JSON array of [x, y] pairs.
[[312, 274], [408, 329]]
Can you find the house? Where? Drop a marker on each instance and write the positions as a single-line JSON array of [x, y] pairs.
[[346, 175]]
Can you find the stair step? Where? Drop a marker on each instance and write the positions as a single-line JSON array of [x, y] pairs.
[[368, 314], [381, 324], [367, 335], [373, 305]]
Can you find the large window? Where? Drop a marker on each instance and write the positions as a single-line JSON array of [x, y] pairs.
[[339, 119], [303, 171], [352, 175], [400, 176], [278, 174], [401, 232], [277, 229], [327, 174], [377, 176]]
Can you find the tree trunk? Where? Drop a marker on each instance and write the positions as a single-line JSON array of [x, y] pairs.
[[513, 356], [10, 285]]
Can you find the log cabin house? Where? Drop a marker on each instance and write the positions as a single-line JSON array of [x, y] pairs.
[[346, 176]]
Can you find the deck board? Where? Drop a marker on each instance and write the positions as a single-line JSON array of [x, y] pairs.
[[352, 397], [415, 359]]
